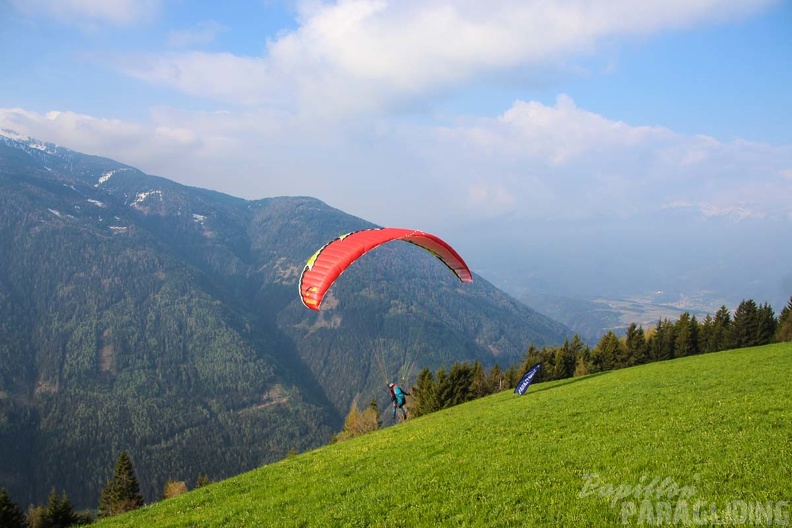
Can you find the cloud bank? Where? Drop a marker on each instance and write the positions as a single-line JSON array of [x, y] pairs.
[[533, 160]]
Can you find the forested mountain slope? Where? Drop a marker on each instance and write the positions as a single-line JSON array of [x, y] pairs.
[[140, 314]]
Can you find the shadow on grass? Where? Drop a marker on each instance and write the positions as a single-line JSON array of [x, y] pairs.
[[569, 381]]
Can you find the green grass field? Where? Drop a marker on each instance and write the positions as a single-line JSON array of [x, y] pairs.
[[700, 440]]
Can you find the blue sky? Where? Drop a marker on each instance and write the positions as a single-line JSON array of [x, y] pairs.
[[523, 132]]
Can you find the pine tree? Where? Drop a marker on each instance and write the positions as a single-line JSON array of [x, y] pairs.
[[635, 345], [11, 515], [479, 387], [122, 493], [59, 512], [577, 346], [582, 354], [424, 394], [514, 373], [443, 389], [687, 336], [461, 379], [532, 357], [582, 365], [745, 327], [766, 324], [564, 361], [662, 341], [716, 337], [606, 354], [784, 332]]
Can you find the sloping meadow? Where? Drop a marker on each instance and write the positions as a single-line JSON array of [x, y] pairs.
[[694, 441]]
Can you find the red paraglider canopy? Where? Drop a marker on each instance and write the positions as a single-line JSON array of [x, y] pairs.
[[324, 267]]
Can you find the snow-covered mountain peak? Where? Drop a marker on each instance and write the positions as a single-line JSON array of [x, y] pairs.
[[14, 139], [12, 134]]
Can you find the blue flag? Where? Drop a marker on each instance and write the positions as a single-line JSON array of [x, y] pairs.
[[526, 380]]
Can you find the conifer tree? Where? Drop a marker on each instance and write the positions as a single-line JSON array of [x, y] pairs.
[[11, 515], [514, 373], [496, 379], [424, 394], [784, 332], [582, 365], [716, 331], [686, 336], [479, 386], [460, 379], [443, 389], [564, 361], [532, 357], [34, 515], [705, 333], [766, 324], [577, 346], [122, 493], [635, 345], [59, 512], [607, 353], [582, 355], [661, 344], [745, 327]]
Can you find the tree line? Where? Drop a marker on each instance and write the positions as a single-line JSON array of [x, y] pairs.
[[750, 325], [120, 494]]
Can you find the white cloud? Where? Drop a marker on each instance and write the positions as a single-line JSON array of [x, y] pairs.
[[554, 136], [176, 136], [91, 13], [70, 128], [220, 76], [353, 56], [562, 160]]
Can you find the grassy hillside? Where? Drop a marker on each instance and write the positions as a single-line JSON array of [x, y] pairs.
[[694, 437]]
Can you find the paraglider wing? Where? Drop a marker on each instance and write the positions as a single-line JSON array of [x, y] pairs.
[[324, 267], [526, 380]]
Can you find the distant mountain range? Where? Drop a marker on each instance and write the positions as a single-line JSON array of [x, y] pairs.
[[138, 314]]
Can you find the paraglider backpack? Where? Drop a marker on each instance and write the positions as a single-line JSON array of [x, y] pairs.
[[400, 396]]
